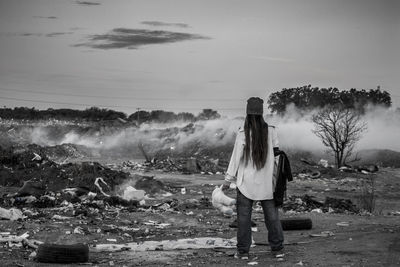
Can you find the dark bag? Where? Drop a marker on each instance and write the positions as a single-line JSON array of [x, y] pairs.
[[284, 174]]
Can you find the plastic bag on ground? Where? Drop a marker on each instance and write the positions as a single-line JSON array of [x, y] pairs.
[[131, 193], [12, 214]]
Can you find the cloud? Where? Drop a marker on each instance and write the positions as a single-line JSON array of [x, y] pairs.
[[161, 24], [42, 17], [31, 34], [86, 3], [53, 34], [133, 38]]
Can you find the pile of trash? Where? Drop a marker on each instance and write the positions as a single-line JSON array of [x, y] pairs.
[[308, 203], [24, 164], [309, 169], [183, 165]]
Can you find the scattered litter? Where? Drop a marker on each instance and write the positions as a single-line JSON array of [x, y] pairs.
[[308, 203], [32, 256], [252, 263], [190, 243], [323, 234], [79, 230], [343, 224], [61, 218], [96, 182], [183, 191], [111, 240], [317, 210], [12, 214], [131, 193], [324, 163], [156, 224], [36, 157]]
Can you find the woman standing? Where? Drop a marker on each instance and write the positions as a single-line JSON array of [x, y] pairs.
[[251, 167]]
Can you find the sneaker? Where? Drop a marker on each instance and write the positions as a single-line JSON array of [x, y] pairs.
[[279, 254], [242, 256]]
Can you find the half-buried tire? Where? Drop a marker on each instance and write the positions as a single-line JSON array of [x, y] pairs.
[[54, 253], [296, 224]]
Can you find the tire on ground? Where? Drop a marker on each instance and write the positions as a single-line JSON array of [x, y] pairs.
[[296, 223], [315, 174], [54, 253]]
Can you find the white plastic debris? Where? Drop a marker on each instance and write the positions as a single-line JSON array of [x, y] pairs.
[[183, 191], [36, 157], [190, 243], [32, 256], [60, 217], [79, 230], [343, 224], [12, 214], [252, 263], [96, 182], [323, 234], [324, 163], [316, 210], [131, 193]]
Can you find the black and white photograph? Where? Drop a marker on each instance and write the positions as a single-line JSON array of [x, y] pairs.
[[199, 133]]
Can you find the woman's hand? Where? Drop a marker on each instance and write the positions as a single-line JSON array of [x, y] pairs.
[[225, 186]]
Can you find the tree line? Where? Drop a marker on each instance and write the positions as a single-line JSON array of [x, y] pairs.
[[307, 98], [102, 114], [304, 98]]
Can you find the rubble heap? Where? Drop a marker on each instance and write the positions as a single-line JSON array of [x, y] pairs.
[[20, 165], [308, 203]]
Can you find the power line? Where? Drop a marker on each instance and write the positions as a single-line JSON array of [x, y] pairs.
[[121, 97], [109, 106]]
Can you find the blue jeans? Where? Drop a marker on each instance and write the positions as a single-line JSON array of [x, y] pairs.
[[244, 208]]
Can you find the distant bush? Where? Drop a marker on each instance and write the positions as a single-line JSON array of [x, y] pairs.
[[90, 114], [99, 114]]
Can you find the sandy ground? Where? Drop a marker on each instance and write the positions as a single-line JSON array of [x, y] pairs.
[[368, 240]]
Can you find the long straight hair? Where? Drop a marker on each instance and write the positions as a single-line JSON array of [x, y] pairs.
[[256, 135]]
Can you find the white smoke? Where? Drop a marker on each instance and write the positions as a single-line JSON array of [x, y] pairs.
[[294, 133], [383, 128]]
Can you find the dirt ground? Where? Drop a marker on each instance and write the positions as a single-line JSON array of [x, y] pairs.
[[366, 240]]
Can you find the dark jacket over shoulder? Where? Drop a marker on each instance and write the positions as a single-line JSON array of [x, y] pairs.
[[284, 174]]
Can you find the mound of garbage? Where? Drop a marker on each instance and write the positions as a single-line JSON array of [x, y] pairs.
[[308, 203], [18, 165]]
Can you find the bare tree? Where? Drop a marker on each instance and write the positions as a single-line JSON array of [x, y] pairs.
[[339, 129]]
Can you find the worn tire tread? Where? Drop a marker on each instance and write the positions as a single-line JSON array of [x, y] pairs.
[[296, 223], [55, 253]]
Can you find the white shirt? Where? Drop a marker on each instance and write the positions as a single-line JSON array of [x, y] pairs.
[[252, 183]]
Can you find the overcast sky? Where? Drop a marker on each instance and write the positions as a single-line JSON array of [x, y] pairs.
[[185, 55]]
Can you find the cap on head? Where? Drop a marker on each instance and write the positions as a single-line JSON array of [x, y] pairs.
[[255, 106]]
